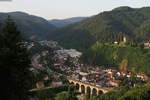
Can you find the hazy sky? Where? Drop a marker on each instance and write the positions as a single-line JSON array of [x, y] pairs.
[[51, 9]]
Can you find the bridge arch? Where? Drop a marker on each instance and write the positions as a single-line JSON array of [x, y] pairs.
[[94, 92], [100, 92], [88, 90], [72, 83], [77, 86], [83, 89]]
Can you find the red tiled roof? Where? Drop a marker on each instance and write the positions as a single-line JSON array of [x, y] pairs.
[[115, 81]]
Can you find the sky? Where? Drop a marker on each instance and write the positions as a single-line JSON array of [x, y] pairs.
[[61, 9]]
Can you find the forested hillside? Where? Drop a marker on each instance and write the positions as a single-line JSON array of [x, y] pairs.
[[31, 27], [134, 59], [107, 26], [59, 23]]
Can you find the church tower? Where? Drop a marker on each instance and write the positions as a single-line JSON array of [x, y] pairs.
[[124, 39]]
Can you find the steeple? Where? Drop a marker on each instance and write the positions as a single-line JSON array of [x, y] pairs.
[[124, 39]]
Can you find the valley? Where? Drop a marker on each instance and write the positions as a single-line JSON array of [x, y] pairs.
[[102, 57]]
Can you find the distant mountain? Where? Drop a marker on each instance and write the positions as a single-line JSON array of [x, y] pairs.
[[109, 26], [64, 22], [31, 27]]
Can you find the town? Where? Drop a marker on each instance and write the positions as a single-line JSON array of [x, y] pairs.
[[67, 61]]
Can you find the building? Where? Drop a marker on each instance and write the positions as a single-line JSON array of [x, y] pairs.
[[115, 83], [124, 39], [56, 83], [142, 76], [115, 42], [84, 79], [83, 73], [147, 45], [39, 84]]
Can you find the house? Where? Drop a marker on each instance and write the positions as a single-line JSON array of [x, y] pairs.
[[97, 79], [142, 76], [114, 71], [115, 42], [84, 79], [123, 72], [118, 74], [115, 83], [40, 84], [147, 45], [108, 75], [83, 73], [56, 83], [45, 78], [129, 75]]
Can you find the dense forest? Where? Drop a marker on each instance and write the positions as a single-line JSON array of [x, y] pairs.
[[135, 59], [59, 23], [108, 26], [31, 27], [15, 63]]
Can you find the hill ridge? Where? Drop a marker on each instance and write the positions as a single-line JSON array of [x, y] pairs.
[[108, 26]]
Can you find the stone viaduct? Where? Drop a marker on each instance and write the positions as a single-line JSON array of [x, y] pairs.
[[85, 88]]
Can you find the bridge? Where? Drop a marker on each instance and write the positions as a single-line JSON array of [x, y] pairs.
[[87, 88]]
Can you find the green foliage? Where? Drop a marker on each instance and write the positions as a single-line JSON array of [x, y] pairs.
[[70, 95], [73, 38], [131, 58], [137, 93], [141, 92], [108, 26], [14, 64], [66, 96], [62, 96], [93, 98], [114, 95], [44, 94]]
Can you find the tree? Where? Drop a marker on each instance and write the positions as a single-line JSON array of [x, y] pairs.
[[62, 96], [14, 64], [71, 93], [123, 65]]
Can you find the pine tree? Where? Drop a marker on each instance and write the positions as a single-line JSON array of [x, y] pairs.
[[14, 64]]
